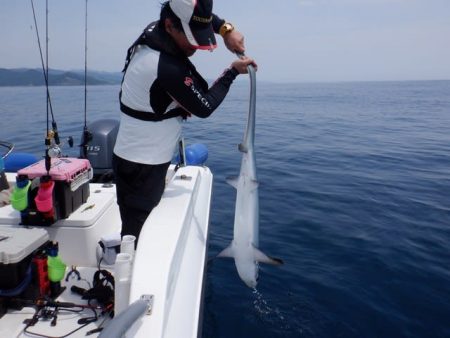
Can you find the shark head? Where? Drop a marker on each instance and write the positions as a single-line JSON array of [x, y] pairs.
[[248, 272]]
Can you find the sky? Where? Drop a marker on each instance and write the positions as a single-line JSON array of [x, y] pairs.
[[291, 40]]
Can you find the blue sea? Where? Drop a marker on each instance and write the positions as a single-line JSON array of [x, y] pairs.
[[354, 197]]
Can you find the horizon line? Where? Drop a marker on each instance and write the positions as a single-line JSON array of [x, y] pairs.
[[290, 81]]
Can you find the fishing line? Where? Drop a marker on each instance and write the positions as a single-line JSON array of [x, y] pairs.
[[45, 72]]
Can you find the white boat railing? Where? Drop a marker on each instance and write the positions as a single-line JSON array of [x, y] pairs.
[[9, 146]]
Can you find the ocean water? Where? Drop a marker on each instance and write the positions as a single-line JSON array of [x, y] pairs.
[[354, 197]]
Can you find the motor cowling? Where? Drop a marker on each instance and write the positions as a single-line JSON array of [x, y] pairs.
[[100, 146]]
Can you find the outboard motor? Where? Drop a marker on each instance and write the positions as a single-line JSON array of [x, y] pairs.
[[100, 148]]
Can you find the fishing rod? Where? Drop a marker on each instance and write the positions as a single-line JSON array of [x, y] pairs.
[[46, 56], [52, 138], [85, 64], [87, 135]]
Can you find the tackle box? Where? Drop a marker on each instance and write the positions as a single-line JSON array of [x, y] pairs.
[[17, 245], [71, 178]]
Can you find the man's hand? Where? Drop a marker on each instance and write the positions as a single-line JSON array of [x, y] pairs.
[[234, 41], [241, 64]]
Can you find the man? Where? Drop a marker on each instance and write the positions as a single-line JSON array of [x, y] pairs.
[[160, 87]]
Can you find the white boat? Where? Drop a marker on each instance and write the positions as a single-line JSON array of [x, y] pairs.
[[167, 272], [159, 286]]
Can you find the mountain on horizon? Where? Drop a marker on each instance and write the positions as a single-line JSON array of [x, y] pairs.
[[34, 77]]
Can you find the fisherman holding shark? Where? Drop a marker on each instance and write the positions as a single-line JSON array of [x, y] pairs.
[[161, 86]]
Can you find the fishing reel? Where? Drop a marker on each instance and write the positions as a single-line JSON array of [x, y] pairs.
[[54, 145]]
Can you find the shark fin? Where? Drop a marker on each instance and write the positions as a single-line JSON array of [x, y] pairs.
[[263, 258], [228, 252], [233, 181], [242, 148]]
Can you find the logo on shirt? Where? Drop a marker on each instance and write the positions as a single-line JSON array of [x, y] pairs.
[[190, 83]]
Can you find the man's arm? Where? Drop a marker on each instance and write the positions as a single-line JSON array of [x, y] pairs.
[[232, 38], [217, 23], [188, 91]]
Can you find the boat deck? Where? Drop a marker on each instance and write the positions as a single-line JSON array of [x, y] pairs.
[[169, 262]]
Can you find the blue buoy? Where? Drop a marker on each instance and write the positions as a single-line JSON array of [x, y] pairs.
[[16, 161], [196, 154]]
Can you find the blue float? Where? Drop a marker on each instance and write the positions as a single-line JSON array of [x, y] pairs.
[[196, 154], [16, 161]]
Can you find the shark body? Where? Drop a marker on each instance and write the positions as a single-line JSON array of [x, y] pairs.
[[244, 246]]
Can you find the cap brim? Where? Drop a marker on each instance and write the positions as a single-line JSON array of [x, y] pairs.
[[200, 38]]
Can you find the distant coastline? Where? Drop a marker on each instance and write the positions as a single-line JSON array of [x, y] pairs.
[[34, 77]]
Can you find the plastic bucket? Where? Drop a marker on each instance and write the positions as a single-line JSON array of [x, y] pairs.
[[19, 197], [44, 197], [56, 268], [127, 244]]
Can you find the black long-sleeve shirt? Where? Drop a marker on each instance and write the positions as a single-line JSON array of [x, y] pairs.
[[169, 76]]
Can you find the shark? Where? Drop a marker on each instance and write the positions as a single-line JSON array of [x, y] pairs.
[[244, 246]]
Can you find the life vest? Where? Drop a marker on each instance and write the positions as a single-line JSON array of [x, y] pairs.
[[158, 40]]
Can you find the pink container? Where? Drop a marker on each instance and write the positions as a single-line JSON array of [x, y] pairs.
[[44, 197], [62, 169]]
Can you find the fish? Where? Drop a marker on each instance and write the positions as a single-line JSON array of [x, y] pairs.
[[244, 246]]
